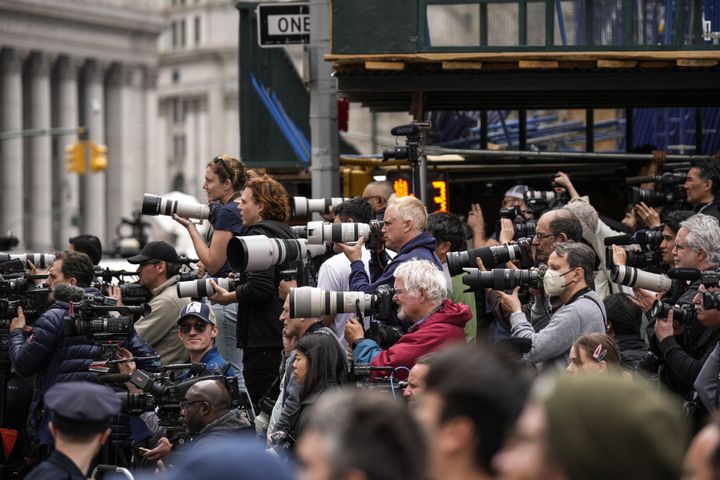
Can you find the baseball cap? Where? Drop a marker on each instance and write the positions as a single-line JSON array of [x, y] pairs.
[[81, 407], [198, 310], [517, 191], [156, 251]]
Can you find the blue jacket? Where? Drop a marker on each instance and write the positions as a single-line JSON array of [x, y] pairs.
[[421, 247], [55, 358], [215, 364]]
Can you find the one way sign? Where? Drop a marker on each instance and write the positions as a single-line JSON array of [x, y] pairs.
[[283, 24]]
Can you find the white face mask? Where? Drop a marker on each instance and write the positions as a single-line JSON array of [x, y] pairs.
[[554, 283]]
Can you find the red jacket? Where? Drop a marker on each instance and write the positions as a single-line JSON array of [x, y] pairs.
[[444, 326]]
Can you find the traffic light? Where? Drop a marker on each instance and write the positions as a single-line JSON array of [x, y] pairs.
[[75, 158], [98, 157]]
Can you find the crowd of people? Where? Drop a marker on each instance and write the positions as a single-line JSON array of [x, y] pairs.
[[591, 353]]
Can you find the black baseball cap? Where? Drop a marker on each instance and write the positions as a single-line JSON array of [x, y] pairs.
[[156, 251]]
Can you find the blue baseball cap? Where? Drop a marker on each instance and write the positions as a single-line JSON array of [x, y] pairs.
[[198, 310]]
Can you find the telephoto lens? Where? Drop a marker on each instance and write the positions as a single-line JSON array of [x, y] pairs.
[[123, 325], [502, 278], [490, 256], [634, 277], [304, 206], [319, 232], [255, 253], [154, 205], [40, 260], [203, 288], [300, 231], [307, 302], [651, 198], [549, 196]]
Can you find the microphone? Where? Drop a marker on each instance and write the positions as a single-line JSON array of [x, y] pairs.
[[405, 130], [690, 274], [618, 240]]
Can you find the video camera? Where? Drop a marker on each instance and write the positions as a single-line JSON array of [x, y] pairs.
[[21, 291], [163, 395], [315, 302], [490, 256], [133, 293]]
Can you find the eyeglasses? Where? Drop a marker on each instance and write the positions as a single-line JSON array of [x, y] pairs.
[[220, 160], [199, 327], [544, 236], [185, 403]]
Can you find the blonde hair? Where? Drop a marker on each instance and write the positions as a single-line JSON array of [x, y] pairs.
[[412, 209]]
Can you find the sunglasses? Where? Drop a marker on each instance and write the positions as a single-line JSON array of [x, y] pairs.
[[186, 328], [225, 167]]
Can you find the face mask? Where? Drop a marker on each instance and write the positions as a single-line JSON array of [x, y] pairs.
[[553, 283]]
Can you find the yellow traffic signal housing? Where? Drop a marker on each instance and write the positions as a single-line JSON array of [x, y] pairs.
[[98, 157], [75, 158]]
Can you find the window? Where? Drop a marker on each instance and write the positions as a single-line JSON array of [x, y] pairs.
[[182, 33]]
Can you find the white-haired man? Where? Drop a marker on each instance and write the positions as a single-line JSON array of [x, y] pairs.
[[421, 296]]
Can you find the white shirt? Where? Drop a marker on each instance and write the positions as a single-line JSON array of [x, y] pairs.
[[334, 275]]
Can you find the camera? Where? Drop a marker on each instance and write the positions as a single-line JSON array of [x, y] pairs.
[[255, 253], [710, 300], [134, 294], [676, 177], [315, 302], [538, 200], [654, 198], [21, 292], [709, 278], [92, 317], [40, 260], [490, 256], [202, 288], [154, 205], [318, 232], [504, 278], [651, 259], [634, 277], [304, 206], [524, 229], [164, 396], [512, 213], [681, 313]]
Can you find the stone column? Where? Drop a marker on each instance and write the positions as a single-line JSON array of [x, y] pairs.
[[192, 162], [92, 184], [125, 131], [68, 116], [38, 225], [156, 147], [11, 161]]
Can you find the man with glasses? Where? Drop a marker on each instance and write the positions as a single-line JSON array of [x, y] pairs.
[[377, 195], [197, 330], [158, 268], [554, 226]]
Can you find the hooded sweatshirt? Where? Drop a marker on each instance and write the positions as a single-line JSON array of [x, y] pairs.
[[443, 326]]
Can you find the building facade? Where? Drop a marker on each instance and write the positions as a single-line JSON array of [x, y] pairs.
[[84, 63]]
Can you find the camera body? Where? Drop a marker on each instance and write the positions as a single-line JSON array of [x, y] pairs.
[[524, 230], [21, 291], [684, 314], [674, 196], [538, 200]]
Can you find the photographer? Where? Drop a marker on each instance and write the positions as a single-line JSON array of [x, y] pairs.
[[264, 206], [44, 349], [225, 178], [289, 397], [701, 187], [377, 195], [334, 273], [706, 383], [404, 233], [158, 268], [420, 293], [580, 311], [514, 197], [683, 347], [447, 229]]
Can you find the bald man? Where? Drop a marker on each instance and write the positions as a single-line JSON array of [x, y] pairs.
[[207, 414], [377, 195]]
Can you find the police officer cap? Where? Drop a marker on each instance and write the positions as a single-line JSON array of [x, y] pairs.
[[82, 408]]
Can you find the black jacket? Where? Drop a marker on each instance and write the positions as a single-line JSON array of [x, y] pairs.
[[259, 305]]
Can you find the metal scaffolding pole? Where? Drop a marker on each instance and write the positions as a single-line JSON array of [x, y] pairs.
[[504, 154]]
